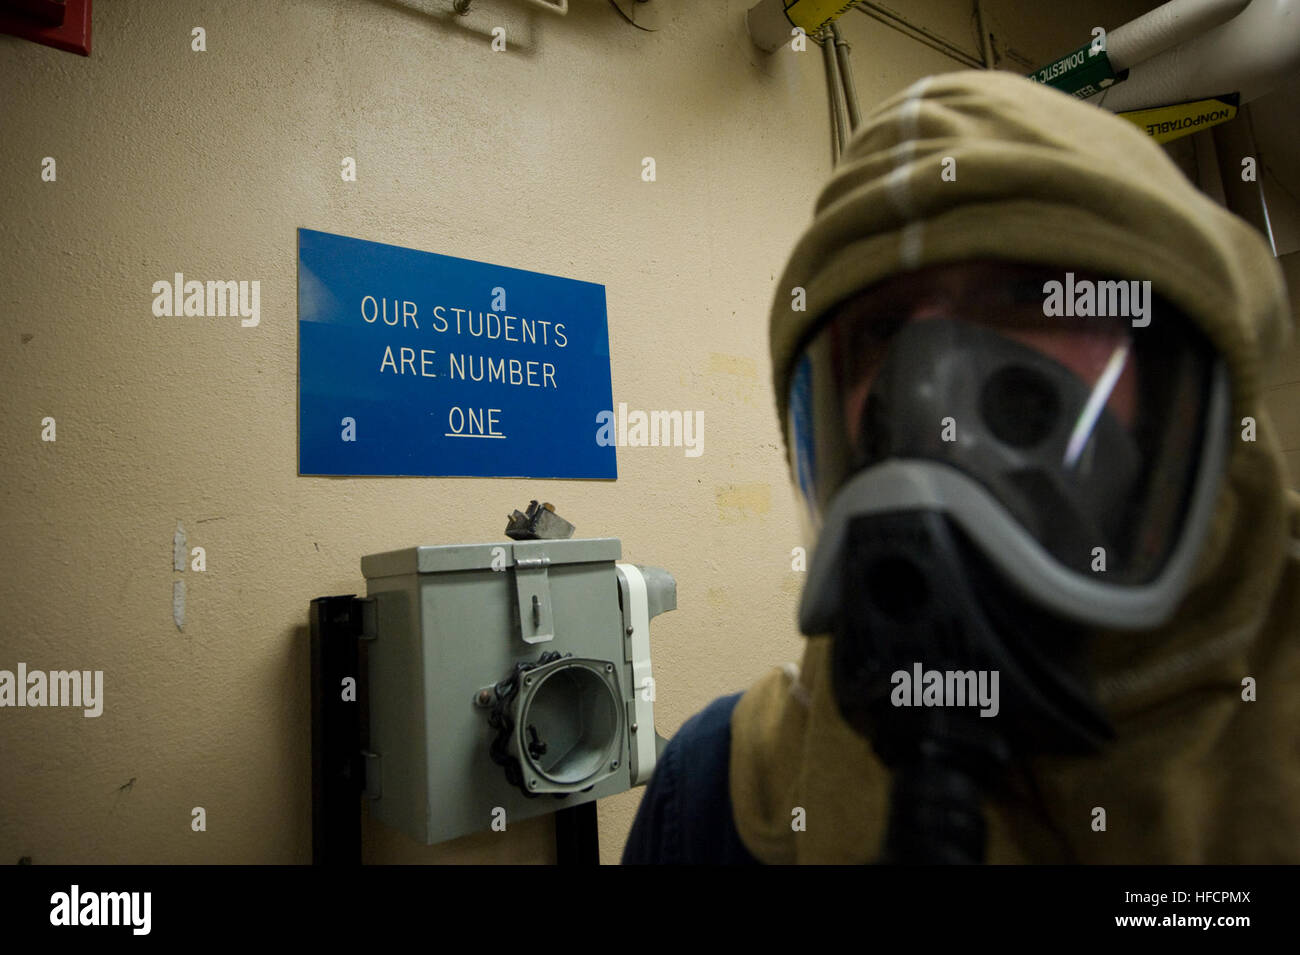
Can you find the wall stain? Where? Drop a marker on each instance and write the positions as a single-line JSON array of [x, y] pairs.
[[720, 364], [741, 502]]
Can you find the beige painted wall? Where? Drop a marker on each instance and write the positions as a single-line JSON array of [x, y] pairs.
[[206, 163]]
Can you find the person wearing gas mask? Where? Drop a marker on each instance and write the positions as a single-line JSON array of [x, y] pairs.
[[1054, 591]]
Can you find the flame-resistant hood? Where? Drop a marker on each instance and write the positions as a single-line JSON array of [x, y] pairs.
[[988, 165]]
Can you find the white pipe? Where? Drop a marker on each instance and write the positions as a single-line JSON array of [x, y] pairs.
[[1165, 26], [835, 86], [1250, 54], [850, 89]]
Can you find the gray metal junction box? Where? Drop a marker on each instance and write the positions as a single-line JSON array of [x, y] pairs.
[[535, 650]]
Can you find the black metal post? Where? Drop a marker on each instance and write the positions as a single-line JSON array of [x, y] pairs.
[[337, 770], [577, 839]]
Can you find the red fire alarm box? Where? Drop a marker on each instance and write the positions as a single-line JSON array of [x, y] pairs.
[[62, 24]]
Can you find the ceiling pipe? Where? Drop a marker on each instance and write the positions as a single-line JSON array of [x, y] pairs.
[[1166, 26], [920, 34], [846, 77], [560, 7], [1250, 54], [986, 41], [839, 125]]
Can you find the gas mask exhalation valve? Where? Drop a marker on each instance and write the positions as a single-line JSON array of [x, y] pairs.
[[995, 678]]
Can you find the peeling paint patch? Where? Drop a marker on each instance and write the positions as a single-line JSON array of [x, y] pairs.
[[178, 603], [127, 786], [27, 336], [178, 548], [740, 502]]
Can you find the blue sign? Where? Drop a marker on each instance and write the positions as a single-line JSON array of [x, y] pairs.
[[414, 363]]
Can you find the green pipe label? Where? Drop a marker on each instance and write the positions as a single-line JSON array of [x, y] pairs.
[[1081, 73]]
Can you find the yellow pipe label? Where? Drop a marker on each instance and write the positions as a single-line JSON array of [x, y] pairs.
[[812, 15], [1164, 123]]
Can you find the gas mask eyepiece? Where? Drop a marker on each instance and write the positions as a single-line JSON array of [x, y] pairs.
[[1080, 456]]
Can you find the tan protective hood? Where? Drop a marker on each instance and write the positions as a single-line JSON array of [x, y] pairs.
[[1197, 774]]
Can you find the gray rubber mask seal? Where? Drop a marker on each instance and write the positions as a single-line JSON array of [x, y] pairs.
[[1083, 598]]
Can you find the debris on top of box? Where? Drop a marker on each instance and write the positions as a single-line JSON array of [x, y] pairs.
[[540, 522]]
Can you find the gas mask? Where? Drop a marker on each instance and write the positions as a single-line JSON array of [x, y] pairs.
[[989, 486]]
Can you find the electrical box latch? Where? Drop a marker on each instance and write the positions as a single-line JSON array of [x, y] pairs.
[[536, 625]]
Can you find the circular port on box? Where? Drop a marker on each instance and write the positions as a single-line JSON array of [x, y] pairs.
[[570, 722]]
